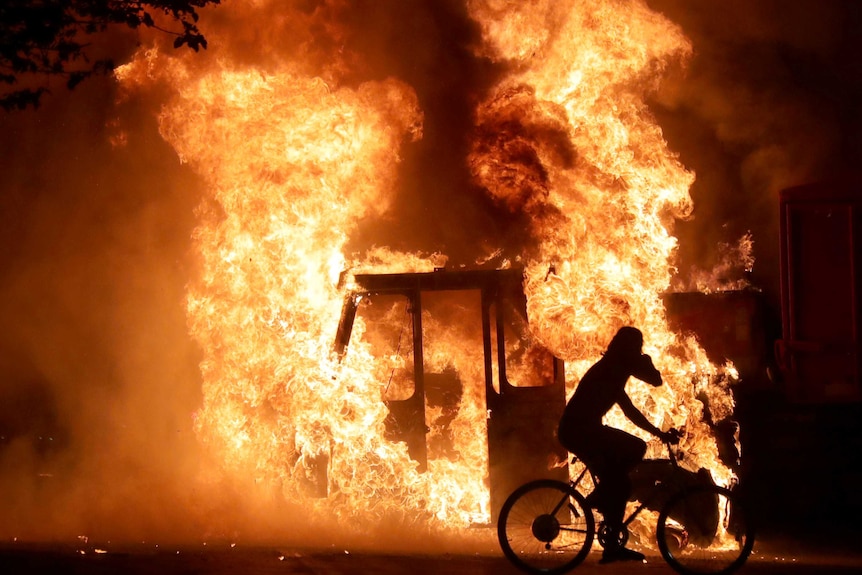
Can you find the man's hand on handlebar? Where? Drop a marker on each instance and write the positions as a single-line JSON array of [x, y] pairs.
[[671, 436]]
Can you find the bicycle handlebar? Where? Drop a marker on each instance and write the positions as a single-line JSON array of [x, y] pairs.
[[673, 441], [675, 436]]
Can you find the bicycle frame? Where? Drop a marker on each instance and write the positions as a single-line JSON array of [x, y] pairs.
[[548, 526], [654, 493]]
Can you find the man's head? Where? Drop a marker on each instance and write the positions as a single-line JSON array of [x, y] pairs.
[[628, 342]]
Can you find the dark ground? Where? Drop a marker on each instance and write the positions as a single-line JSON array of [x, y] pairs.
[[772, 555], [264, 561]]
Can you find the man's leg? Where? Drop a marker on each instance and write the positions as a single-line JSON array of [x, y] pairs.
[[625, 451], [622, 452]]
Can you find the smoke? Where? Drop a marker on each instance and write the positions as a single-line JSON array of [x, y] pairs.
[[99, 380], [767, 102]]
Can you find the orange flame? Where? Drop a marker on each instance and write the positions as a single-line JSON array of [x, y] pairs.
[[600, 184], [293, 162]]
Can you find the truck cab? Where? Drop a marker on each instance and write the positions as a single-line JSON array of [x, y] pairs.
[[443, 336]]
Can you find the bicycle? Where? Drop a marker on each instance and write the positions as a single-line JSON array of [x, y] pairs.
[[547, 526]]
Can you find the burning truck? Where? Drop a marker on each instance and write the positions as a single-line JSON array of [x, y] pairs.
[[412, 322], [523, 389]]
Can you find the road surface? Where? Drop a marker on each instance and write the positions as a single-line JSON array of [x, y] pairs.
[[234, 559]]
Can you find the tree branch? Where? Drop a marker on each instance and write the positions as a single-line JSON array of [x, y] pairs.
[[43, 37]]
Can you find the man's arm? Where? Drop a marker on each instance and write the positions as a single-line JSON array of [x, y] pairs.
[[644, 370], [636, 417]]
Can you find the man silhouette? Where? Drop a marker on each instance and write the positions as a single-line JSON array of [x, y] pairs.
[[608, 452]]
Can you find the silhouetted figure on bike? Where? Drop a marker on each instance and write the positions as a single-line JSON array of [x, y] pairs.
[[608, 452]]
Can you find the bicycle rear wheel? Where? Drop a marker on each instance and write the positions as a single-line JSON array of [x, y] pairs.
[[704, 530], [545, 527]]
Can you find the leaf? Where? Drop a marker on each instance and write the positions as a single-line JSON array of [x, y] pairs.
[[21, 99], [76, 78]]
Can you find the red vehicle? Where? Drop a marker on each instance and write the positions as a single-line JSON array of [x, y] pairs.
[[820, 352]]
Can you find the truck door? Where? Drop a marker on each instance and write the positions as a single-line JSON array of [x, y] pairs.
[[392, 325], [525, 393]]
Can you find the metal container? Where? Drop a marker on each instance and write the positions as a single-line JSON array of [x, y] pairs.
[[820, 235]]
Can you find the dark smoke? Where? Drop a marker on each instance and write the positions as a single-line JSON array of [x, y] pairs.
[[769, 101], [98, 377]]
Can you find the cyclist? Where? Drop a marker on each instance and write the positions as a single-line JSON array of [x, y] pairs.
[[608, 452]]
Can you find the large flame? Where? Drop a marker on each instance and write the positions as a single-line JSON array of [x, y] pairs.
[[294, 158]]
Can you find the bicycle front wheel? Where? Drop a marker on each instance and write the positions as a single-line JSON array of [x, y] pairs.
[[705, 531], [545, 527]]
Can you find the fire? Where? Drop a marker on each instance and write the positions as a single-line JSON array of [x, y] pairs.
[[294, 157], [598, 181]]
